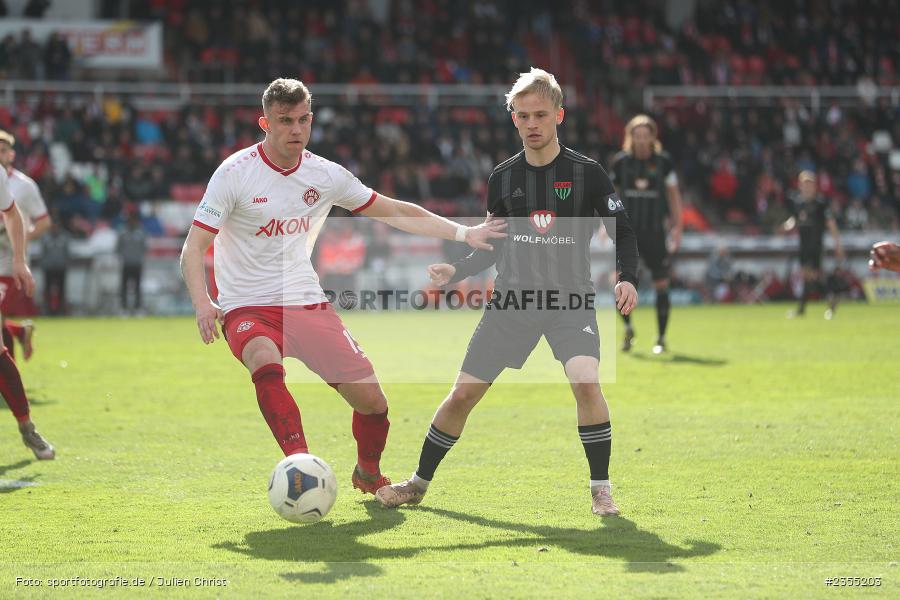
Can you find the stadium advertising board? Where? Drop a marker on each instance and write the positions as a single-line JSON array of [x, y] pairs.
[[98, 44]]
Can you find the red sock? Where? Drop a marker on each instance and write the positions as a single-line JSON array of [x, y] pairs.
[[279, 409], [8, 341], [371, 433], [16, 330], [11, 387]]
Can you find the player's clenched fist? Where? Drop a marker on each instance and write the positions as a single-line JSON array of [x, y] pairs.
[[207, 316], [626, 297], [441, 273]]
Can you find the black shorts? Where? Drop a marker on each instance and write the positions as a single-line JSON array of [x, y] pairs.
[[655, 253], [811, 256], [506, 338]]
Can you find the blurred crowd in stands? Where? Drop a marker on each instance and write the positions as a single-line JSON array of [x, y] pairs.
[[99, 158]]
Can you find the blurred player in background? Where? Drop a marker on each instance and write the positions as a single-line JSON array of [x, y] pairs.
[[11, 387], [522, 187], [263, 208], [28, 198], [646, 180], [811, 217]]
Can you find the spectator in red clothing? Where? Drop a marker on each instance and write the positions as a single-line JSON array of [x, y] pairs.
[[723, 184]]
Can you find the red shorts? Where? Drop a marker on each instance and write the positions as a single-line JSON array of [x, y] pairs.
[[313, 334], [14, 302]]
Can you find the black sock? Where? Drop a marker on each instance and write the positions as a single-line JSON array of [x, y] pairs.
[[662, 311], [437, 444], [597, 442], [627, 319]]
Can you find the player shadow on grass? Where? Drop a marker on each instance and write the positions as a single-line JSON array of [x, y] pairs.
[[618, 537], [678, 358], [7, 486], [340, 554], [336, 547]]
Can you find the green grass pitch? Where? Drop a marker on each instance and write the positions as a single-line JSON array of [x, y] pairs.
[[757, 459]]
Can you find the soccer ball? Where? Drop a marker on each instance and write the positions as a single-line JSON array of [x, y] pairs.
[[302, 488]]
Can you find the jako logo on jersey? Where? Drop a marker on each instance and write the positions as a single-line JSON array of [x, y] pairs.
[[311, 196], [542, 220], [260, 200], [563, 189], [244, 326], [277, 227]]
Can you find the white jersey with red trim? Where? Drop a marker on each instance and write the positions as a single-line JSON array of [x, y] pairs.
[[27, 196], [266, 220], [6, 200]]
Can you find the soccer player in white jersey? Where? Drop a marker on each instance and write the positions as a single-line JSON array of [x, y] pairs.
[[28, 198], [11, 387], [263, 208]]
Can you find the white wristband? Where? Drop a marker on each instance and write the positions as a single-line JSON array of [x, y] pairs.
[[461, 233]]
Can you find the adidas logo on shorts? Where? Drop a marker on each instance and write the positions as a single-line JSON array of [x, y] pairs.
[[589, 330]]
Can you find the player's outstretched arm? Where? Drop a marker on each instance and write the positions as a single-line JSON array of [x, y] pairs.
[[412, 218], [15, 228], [198, 240]]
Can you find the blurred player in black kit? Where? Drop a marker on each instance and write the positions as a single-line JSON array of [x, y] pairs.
[[645, 178], [811, 216]]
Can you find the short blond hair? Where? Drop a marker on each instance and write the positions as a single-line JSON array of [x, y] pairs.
[[641, 121], [7, 138], [536, 81], [285, 91], [806, 176]]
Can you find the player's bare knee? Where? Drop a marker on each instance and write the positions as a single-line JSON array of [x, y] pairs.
[[258, 352], [463, 398], [366, 397], [586, 393], [373, 400]]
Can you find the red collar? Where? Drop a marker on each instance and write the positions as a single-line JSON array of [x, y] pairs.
[[275, 167]]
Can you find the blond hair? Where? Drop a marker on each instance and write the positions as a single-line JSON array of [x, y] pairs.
[[285, 91], [641, 121], [806, 176], [536, 81], [7, 138]]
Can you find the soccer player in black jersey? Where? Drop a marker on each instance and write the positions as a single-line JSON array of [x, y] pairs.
[[645, 178], [551, 197], [811, 216]]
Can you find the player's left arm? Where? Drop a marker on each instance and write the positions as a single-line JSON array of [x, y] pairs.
[[15, 228], [39, 227], [412, 218], [836, 236], [673, 197], [39, 217], [618, 227], [676, 224]]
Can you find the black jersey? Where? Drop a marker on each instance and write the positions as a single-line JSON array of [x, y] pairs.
[[552, 212], [812, 218], [642, 186]]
